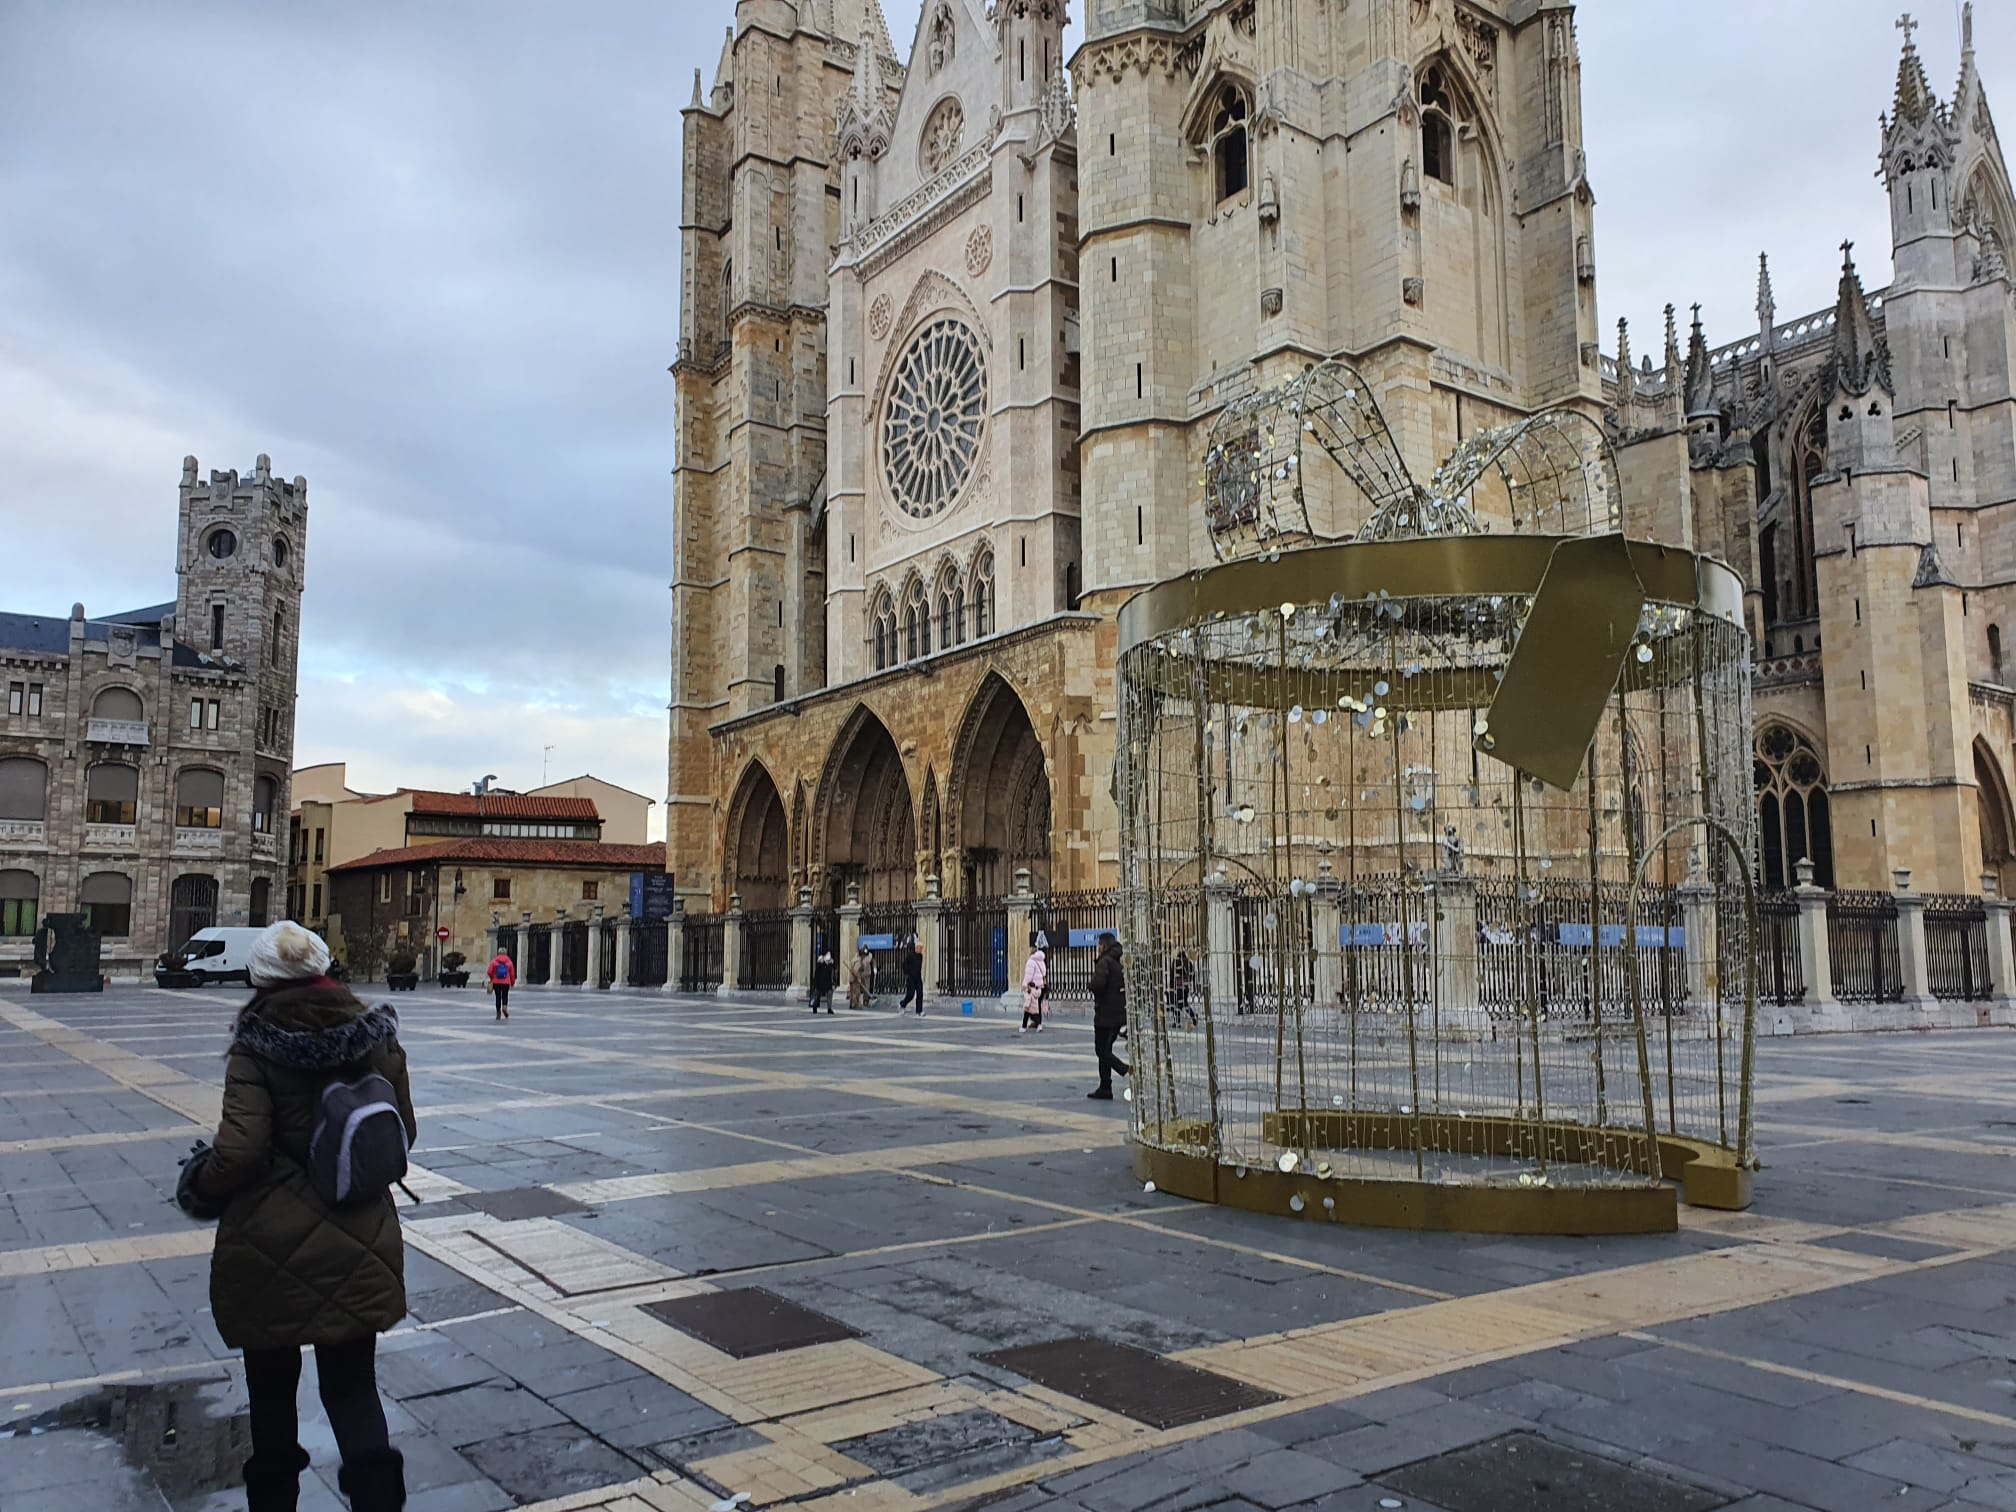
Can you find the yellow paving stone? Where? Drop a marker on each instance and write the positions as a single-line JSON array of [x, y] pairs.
[[65, 1257], [92, 1141], [1991, 1228]]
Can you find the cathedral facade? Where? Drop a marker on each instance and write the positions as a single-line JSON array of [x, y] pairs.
[[956, 323]]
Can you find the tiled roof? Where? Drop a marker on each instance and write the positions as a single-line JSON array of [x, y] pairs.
[[490, 805], [590, 854]]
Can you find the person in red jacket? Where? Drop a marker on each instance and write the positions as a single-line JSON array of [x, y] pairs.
[[503, 974]]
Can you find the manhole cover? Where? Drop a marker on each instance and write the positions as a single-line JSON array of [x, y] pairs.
[[749, 1322], [1523, 1472], [515, 1203], [1130, 1381]]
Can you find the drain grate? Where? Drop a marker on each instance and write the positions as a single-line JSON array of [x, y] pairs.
[[515, 1203], [750, 1322], [1130, 1381], [1523, 1472]]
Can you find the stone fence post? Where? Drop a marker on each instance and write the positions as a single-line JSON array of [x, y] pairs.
[[1912, 961], [625, 947], [594, 979], [931, 933], [1329, 916], [731, 946], [850, 929], [1455, 905], [2001, 957], [675, 945], [1021, 928], [1221, 945], [1816, 953], [801, 943]]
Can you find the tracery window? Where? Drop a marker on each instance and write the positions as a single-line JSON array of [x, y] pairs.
[[1438, 126], [944, 133], [1227, 143], [1793, 820], [983, 594], [951, 610], [932, 420], [884, 617], [916, 621]]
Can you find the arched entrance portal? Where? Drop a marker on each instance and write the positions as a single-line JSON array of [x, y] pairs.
[[759, 866], [1002, 796], [870, 828], [1991, 795]]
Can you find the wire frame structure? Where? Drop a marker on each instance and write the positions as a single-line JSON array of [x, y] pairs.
[[1378, 974]]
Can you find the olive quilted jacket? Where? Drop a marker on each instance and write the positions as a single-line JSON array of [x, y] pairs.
[[288, 1270]]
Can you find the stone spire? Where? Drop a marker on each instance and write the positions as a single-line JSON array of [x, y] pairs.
[[1914, 99], [1859, 359], [1700, 372], [865, 119], [1672, 348], [1627, 381], [1767, 304]]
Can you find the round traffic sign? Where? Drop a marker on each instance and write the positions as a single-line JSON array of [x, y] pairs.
[[441, 934]]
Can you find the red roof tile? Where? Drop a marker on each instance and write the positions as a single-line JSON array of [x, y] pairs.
[[591, 854], [501, 806]]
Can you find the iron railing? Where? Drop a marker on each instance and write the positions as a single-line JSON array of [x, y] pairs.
[[980, 958], [1063, 917], [766, 949], [648, 941], [605, 962], [1781, 968], [899, 922], [700, 956], [1862, 947], [1956, 948], [573, 954]]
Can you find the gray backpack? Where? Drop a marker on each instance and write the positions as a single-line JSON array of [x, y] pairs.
[[358, 1148]]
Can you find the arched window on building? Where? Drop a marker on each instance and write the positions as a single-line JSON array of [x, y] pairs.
[[199, 799], [24, 790], [951, 609], [1227, 142], [883, 616], [1438, 126], [121, 704], [192, 905], [20, 903], [916, 621], [1798, 578], [982, 596], [261, 904], [727, 301], [112, 794], [1793, 821], [777, 683], [108, 904]]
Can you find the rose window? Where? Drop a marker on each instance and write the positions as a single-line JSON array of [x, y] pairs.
[[931, 424]]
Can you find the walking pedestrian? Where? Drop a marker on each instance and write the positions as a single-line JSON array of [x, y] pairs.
[[1035, 983], [289, 1268], [861, 980], [1182, 974], [503, 974], [823, 973], [913, 978], [1109, 1013]]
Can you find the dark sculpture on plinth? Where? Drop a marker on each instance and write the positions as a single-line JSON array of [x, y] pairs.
[[66, 955]]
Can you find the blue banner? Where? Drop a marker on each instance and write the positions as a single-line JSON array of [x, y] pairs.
[[1611, 936], [1381, 934], [1085, 939], [651, 896], [878, 942]]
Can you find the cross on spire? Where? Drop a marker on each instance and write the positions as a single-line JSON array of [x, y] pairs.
[[1906, 25]]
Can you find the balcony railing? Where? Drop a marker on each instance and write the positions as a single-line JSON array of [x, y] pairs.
[[264, 847], [23, 832], [111, 836], [199, 842], [132, 732]]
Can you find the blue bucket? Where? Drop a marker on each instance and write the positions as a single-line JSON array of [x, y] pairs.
[[967, 1007]]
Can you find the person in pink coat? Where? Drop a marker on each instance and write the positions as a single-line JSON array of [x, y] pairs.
[[502, 973], [1035, 978]]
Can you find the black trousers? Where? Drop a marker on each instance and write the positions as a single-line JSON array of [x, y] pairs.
[[503, 996], [1104, 1037], [346, 1374], [912, 992]]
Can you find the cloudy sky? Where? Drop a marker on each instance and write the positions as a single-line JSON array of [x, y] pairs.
[[426, 255]]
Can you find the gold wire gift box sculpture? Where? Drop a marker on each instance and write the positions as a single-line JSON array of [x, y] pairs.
[[1436, 844]]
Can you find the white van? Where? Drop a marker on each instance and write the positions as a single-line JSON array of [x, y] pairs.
[[212, 955]]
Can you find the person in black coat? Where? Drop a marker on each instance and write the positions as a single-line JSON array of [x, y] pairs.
[[824, 975], [913, 978], [1109, 1013]]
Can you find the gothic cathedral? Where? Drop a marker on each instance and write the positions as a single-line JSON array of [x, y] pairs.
[[954, 328]]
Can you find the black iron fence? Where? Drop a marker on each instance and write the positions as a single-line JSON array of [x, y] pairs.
[[897, 925], [700, 958], [1862, 947], [979, 958], [573, 954], [1781, 968], [1071, 924], [647, 953], [766, 949], [540, 967], [605, 961], [1956, 948]]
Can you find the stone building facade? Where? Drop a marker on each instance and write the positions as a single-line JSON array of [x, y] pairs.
[[956, 327], [144, 756], [1858, 466]]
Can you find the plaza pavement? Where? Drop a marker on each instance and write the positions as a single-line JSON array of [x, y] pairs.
[[943, 1190]]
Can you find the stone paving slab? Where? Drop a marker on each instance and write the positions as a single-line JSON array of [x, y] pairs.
[[942, 1187]]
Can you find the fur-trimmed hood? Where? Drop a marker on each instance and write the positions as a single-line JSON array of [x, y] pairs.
[[318, 1027]]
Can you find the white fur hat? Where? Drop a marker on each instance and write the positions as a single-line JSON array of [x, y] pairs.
[[286, 953]]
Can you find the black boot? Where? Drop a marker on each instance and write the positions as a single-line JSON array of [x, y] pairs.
[[275, 1486], [376, 1483]]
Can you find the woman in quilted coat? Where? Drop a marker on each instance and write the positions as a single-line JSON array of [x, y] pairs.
[[288, 1269]]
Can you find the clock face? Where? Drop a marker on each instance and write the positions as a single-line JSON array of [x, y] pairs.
[[934, 417]]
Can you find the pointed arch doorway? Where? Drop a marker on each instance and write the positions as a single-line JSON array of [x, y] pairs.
[[1001, 793], [869, 825], [758, 850]]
